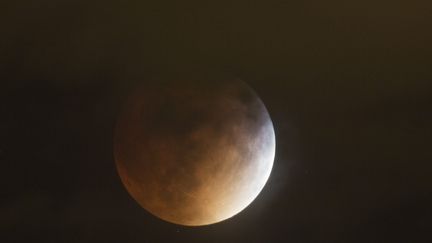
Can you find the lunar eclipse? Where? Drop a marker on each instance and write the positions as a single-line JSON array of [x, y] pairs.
[[194, 153]]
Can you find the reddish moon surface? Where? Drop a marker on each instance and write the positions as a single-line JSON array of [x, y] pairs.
[[194, 153]]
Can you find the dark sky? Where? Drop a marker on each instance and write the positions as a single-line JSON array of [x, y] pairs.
[[347, 83]]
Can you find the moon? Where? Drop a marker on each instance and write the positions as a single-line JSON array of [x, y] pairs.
[[194, 153]]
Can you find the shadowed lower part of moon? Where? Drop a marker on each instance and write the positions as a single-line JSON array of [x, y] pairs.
[[194, 153]]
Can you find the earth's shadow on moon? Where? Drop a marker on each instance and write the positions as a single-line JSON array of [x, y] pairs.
[[194, 152]]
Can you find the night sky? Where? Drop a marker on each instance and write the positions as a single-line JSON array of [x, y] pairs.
[[348, 85]]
